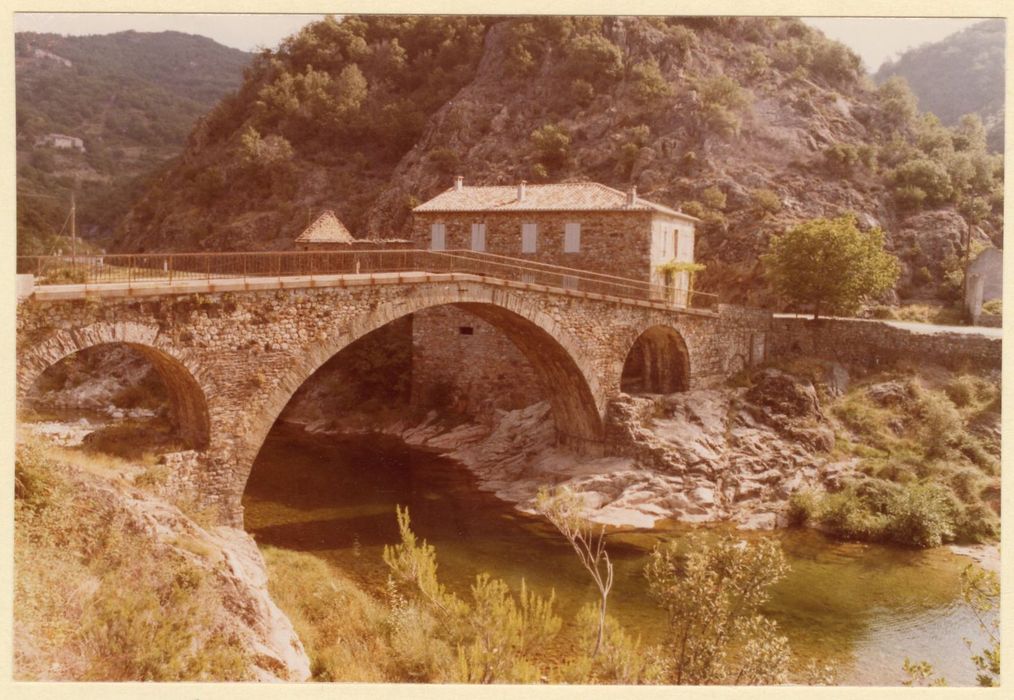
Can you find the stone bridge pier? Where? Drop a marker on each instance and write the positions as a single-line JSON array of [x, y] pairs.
[[231, 360]]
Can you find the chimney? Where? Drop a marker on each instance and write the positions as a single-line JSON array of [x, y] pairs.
[[459, 183], [521, 190], [631, 196]]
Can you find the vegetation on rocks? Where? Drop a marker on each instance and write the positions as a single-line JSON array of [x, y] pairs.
[[956, 75], [379, 112], [927, 451], [75, 546]]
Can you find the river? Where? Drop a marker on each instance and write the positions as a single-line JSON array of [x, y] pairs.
[[862, 607]]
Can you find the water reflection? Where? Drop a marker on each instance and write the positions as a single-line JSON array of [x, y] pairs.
[[862, 607]]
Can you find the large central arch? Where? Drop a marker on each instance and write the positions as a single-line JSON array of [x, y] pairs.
[[564, 371]]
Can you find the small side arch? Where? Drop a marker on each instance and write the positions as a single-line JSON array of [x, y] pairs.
[[187, 399], [658, 362]]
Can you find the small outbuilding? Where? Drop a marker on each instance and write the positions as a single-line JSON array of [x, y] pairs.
[[329, 233], [984, 282]]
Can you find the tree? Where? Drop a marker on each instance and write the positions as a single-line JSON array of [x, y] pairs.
[[830, 264], [563, 510], [712, 595]]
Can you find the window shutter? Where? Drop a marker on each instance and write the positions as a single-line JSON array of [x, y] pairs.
[[528, 235], [572, 238], [437, 236], [479, 237]]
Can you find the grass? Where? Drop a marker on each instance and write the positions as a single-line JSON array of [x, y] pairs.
[[135, 440], [97, 597], [920, 313], [340, 625]]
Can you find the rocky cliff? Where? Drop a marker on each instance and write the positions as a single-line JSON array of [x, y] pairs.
[[751, 123]]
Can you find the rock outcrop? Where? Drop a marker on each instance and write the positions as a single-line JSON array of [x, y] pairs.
[[708, 455]]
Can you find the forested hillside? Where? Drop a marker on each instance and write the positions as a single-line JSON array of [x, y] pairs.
[[961, 74], [750, 123], [131, 97]]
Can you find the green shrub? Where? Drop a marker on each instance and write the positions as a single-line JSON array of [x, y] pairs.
[[649, 85], [713, 198], [722, 100], [841, 157], [802, 507], [757, 62], [582, 92], [994, 307], [941, 423], [835, 62], [925, 176], [845, 514], [594, 58], [34, 478], [765, 201], [920, 515], [693, 208], [976, 522], [552, 143]]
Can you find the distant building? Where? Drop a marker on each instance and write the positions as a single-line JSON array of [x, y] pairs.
[[583, 225], [60, 141], [984, 281], [329, 233]]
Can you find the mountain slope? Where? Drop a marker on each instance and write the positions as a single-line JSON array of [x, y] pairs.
[[751, 123], [961, 74], [131, 97]]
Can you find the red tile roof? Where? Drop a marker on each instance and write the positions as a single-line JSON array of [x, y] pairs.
[[571, 196], [326, 229]]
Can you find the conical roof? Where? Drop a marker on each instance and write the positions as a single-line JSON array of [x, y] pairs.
[[326, 229]]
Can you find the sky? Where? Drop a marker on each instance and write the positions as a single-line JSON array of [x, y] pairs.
[[874, 39]]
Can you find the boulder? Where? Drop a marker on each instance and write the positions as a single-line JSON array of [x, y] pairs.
[[785, 394]]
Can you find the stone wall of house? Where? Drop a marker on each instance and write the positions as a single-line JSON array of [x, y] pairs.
[[463, 363], [874, 344], [612, 242]]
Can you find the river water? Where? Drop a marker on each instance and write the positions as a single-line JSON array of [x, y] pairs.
[[863, 608]]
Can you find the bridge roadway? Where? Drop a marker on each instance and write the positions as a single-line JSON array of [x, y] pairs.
[[233, 350]]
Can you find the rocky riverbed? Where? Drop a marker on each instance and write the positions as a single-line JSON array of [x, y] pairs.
[[710, 455]]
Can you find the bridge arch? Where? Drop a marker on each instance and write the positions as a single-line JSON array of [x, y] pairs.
[[658, 362], [187, 398], [568, 375]]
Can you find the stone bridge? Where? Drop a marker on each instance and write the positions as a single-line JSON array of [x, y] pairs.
[[233, 352]]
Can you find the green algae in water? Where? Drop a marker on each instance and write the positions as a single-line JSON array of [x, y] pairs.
[[861, 607]]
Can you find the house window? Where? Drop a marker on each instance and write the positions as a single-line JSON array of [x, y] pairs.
[[466, 330], [479, 237], [685, 246], [572, 238], [528, 234], [437, 232]]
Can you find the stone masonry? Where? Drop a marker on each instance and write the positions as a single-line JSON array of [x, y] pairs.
[[232, 360]]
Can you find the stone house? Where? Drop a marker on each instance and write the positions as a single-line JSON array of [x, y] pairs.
[[582, 225], [984, 277], [461, 360], [60, 141]]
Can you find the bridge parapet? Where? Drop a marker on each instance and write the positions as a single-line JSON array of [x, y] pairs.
[[163, 273]]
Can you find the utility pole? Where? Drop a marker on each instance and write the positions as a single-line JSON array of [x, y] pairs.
[[73, 228]]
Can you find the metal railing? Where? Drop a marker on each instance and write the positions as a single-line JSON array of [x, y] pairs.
[[172, 267]]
